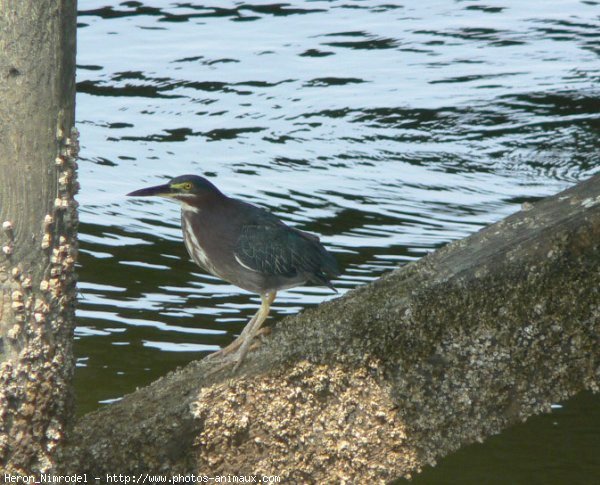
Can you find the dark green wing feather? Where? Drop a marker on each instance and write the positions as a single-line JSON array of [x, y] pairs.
[[276, 249]]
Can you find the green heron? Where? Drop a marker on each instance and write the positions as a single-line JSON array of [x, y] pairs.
[[246, 246]]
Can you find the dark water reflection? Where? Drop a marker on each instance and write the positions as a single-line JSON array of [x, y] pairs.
[[390, 129]]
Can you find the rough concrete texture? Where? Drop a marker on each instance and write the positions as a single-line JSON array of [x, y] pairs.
[[377, 384], [39, 230]]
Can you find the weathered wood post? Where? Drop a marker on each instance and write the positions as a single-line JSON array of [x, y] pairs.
[[38, 214]]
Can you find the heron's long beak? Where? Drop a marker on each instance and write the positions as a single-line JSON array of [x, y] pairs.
[[160, 190]]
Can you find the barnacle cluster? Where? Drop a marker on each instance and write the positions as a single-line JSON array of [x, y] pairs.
[[39, 294]]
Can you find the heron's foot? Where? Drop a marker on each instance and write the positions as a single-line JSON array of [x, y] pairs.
[[235, 353], [225, 351], [264, 332], [232, 359], [249, 346], [219, 365], [259, 337], [236, 344]]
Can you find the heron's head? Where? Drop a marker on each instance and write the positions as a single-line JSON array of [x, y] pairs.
[[189, 189]]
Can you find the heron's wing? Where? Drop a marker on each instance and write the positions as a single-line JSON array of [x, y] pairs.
[[278, 250]]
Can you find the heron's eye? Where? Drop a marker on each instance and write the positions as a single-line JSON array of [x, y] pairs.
[[186, 186]]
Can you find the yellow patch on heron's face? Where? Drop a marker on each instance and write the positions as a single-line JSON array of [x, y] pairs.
[[183, 186]]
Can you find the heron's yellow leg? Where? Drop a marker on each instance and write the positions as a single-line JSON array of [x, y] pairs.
[[262, 314], [233, 346]]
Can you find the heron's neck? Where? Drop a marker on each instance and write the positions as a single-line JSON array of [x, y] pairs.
[[202, 202]]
